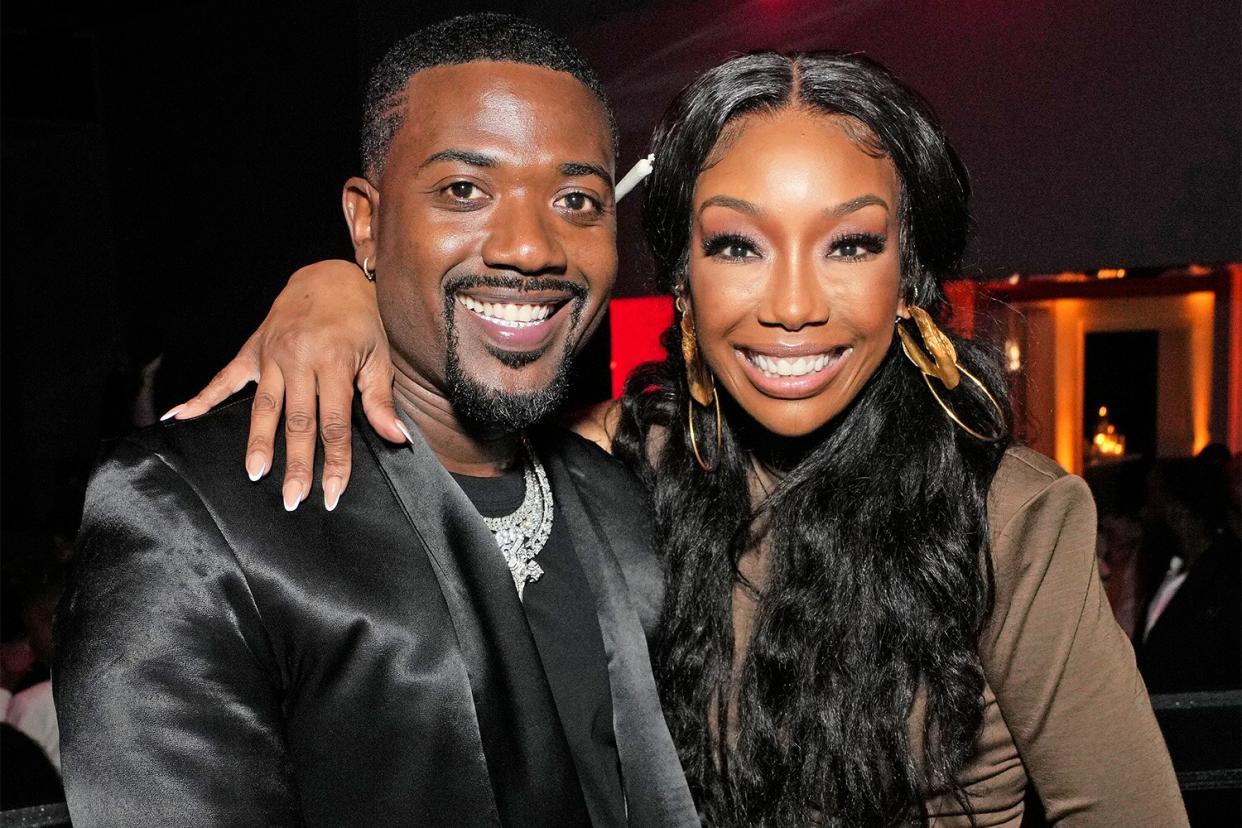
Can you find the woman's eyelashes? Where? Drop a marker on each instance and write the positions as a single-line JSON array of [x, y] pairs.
[[847, 247], [854, 247], [730, 247]]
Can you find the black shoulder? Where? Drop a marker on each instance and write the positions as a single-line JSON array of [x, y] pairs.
[[584, 457], [215, 438]]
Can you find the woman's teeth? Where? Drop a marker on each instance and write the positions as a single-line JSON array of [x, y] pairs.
[[508, 314], [796, 367]]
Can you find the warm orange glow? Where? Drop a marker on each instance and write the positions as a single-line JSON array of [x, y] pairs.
[[1187, 361], [1235, 358], [1111, 273], [1200, 308], [1013, 356], [1068, 369]]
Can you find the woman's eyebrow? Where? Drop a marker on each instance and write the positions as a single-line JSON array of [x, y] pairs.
[[855, 204], [739, 204]]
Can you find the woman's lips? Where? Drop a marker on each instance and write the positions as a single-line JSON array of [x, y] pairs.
[[792, 376], [513, 325]]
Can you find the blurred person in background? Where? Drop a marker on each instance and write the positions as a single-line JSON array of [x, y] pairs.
[[1192, 634]]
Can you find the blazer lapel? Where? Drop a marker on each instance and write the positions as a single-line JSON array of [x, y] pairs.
[[523, 743], [611, 534]]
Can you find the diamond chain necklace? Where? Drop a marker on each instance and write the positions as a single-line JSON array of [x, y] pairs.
[[521, 535]]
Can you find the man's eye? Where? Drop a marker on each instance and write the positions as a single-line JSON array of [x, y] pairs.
[[579, 203], [464, 191]]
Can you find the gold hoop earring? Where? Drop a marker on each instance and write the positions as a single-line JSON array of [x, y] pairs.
[[943, 365], [700, 380], [701, 384], [694, 443]]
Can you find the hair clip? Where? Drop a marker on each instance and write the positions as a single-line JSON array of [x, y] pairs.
[[636, 174]]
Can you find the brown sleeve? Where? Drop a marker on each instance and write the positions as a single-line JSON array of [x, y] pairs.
[[1064, 672]]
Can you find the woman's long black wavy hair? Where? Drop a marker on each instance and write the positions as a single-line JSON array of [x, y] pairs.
[[879, 578]]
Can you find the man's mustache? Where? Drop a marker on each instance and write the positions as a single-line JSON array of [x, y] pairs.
[[525, 284]]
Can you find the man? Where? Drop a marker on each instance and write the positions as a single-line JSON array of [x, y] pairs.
[[222, 662]]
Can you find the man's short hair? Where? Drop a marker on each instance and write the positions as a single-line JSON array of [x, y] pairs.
[[464, 39]]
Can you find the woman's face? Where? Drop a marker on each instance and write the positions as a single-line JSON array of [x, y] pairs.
[[794, 267]]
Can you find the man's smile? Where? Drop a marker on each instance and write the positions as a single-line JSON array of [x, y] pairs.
[[509, 314], [517, 319]]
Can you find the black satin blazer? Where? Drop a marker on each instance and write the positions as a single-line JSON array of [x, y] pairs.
[[223, 662]]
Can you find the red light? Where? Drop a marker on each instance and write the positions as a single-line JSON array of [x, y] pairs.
[[636, 325]]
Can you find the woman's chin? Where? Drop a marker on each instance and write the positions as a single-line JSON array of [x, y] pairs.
[[789, 419]]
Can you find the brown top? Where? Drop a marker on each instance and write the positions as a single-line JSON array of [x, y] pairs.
[[1064, 706]]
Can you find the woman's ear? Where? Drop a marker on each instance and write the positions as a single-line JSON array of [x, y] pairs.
[[360, 201], [681, 297]]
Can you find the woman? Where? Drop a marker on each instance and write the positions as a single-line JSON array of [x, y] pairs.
[[875, 612]]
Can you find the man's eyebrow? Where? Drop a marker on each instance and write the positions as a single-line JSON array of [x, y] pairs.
[[574, 168], [474, 159], [739, 204], [855, 204]]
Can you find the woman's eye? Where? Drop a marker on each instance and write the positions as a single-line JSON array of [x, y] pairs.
[[729, 247], [579, 203], [856, 246]]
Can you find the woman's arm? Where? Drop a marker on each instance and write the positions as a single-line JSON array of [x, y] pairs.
[[321, 336], [1062, 670]]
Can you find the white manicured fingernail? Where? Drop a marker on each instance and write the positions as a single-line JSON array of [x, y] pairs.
[[256, 466], [331, 493], [401, 427], [172, 412], [292, 495]]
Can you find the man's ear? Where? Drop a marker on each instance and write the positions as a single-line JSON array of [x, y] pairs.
[[360, 201]]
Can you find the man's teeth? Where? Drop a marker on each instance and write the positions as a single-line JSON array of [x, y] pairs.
[[796, 367], [509, 314]]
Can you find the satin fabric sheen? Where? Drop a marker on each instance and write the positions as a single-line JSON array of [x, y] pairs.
[[223, 662]]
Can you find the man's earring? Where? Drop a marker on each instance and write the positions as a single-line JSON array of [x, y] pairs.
[[369, 273]]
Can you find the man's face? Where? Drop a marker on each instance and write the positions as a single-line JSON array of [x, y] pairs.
[[494, 235]]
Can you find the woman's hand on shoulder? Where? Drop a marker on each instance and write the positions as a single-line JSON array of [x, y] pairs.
[[322, 335]]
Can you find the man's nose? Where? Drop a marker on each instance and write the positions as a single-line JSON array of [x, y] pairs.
[[523, 238], [795, 297]]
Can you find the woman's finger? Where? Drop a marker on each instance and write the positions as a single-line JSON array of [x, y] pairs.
[[375, 387], [232, 378], [300, 436], [264, 417], [336, 395]]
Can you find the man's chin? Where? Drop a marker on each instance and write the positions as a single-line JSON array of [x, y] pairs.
[[517, 401], [516, 360]]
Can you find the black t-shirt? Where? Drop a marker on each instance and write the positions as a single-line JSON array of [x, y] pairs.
[[560, 609]]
